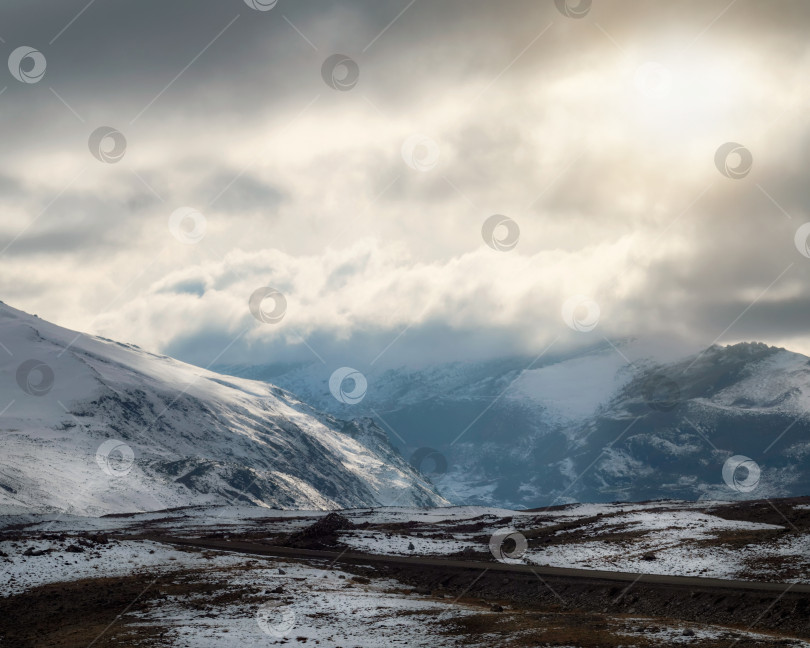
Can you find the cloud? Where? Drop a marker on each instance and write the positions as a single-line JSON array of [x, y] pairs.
[[553, 122], [369, 304]]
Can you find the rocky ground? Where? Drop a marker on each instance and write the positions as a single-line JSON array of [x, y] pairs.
[[98, 581]]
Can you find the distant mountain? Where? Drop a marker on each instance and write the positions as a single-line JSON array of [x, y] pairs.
[[94, 426], [603, 424]]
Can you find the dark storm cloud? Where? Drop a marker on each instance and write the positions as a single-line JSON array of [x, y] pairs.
[[175, 74], [191, 287], [240, 192], [117, 56], [742, 276], [127, 52], [10, 187], [86, 225]]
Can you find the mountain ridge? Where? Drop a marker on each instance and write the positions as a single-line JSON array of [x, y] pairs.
[[181, 435], [515, 434]]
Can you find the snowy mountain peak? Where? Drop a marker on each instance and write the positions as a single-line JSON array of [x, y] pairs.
[[99, 426], [624, 419]]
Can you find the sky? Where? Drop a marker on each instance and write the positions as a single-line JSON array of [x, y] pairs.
[[393, 182]]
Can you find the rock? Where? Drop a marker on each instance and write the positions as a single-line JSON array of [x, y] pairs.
[[277, 590], [649, 556], [36, 552], [688, 633], [410, 546], [74, 548], [322, 533], [496, 608], [281, 571]]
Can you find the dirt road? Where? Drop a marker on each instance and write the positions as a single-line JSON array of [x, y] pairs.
[[448, 564]]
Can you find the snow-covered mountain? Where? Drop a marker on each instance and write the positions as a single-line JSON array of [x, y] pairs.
[[94, 426], [605, 423]]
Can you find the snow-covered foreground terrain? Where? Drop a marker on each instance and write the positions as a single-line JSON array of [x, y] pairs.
[[314, 602], [216, 599], [197, 597], [624, 539], [718, 540]]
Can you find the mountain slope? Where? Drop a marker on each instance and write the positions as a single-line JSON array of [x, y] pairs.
[[601, 424], [95, 426], [691, 416]]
